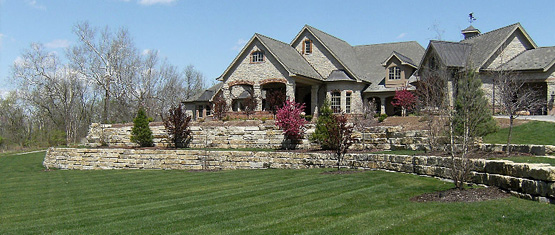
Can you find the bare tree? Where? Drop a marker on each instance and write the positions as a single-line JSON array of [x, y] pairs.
[[194, 81], [514, 97], [53, 89]]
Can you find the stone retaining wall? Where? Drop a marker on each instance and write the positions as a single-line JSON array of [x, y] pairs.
[[532, 181], [521, 148], [255, 135]]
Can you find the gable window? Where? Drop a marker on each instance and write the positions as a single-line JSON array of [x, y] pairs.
[[394, 73], [336, 101], [257, 57], [348, 102], [307, 46]]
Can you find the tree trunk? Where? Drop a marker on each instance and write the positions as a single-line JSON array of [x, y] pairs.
[[511, 119]]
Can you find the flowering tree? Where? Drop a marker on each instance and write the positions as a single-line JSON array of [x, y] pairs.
[[289, 119], [404, 99]]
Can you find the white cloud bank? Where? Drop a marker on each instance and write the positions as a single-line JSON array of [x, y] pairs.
[[402, 35], [1, 37], [35, 4], [239, 44]]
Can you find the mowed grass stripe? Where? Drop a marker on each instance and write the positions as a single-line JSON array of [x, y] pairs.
[[202, 207], [126, 211], [247, 207]]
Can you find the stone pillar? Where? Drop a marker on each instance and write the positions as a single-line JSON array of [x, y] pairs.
[[382, 105], [450, 93], [257, 96], [227, 97], [314, 100], [551, 97], [290, 90]]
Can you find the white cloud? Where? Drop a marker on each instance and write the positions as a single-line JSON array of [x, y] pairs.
[[146, 51], [58, 43], [239, 44], [153, 2], [34, 4], [402, 35], [19, 61]]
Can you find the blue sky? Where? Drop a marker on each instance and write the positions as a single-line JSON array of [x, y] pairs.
[[208, 34]]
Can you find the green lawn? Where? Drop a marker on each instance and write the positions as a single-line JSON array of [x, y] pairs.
[[530, 159], [244, 201], [534, 132]]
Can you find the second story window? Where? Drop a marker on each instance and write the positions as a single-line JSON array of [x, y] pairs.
[[307, 46], [348, 102], [336, 101], [257, 57], [394, 73]]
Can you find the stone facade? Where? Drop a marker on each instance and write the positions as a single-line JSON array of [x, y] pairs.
[[319, 58], [532, 181]]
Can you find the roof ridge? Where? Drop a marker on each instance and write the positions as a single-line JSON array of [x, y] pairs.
[[308, 26], [385, 43], [262, 35], [495, 30]]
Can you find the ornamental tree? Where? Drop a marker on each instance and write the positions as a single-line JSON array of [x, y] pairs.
[[275, 99], [339, 136], [289, 119], [220, 107], [321, 133], [177, 124], [141, 133], [404, 99]]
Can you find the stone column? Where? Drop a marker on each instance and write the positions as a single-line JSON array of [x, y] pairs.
[[227, 97], [290, 90], [314, 100], [382, 105], [257, 96], [551, 97], [450, 93]]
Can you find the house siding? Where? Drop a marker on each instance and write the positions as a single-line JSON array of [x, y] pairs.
[[344, 87], [517, 43], [320, 58]]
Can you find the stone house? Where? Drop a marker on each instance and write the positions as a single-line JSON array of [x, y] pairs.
[[505, 49], [315, 66]]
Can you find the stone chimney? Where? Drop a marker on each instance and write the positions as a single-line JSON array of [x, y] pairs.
[[470, 32]]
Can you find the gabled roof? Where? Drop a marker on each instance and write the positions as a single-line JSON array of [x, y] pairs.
[[338, 75], [372, 57], [287, 56], [541, 58], [404, 60], [206, 95], [451, 54], [486, 44], [364, 62]]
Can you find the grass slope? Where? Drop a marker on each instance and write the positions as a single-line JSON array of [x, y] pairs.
[[244, 201], [534, 132]]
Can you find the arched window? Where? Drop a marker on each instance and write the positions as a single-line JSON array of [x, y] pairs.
[[257, 57], [394, 73]]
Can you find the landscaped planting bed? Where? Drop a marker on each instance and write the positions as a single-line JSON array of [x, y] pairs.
[[34, 200]]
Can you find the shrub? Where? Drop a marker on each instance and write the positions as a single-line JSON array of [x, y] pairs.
[[382, 117], [340, 136], [321, 133], [177, 125], [404, 99], [141, 133], [275, 99], [250, 105], [220, 107], [288, 119]]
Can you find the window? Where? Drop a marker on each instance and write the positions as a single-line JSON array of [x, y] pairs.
[[348, 102], [208, 110], [394, 73], [200, 108], [307, 46], [257, 57], [336, 101]]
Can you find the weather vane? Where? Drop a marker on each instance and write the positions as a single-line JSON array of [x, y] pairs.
[[471, 17]]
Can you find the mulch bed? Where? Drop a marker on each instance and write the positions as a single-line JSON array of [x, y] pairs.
[[466, 195]]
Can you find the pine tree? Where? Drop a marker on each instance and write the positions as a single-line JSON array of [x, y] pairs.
[[325, 119], [141, 133]]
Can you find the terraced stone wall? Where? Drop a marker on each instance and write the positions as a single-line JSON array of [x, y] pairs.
[[532, 181]]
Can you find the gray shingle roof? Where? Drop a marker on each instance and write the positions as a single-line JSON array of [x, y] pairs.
[[205, 95], [452, 54], [402, 58], [290, 58], [373, 55], [484, 45], [541, 58], [338, 75]]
